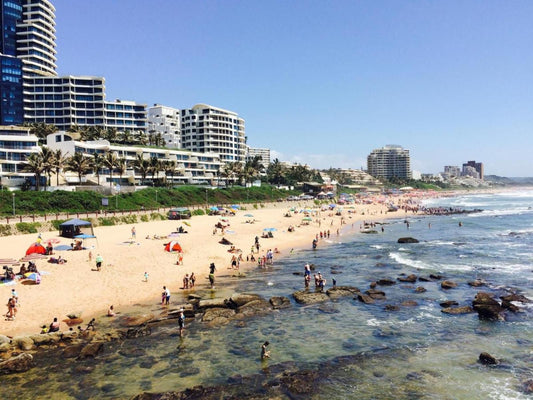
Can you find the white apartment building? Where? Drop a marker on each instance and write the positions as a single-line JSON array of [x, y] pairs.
[[205, 128], [191, 167], [165, 121], [391, 161], [252, 152], [16, 145], [125, 115], [36, 40]]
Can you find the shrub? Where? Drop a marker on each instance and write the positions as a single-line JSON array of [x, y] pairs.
[[145, 218], [5, 230], [28, 227], [107, 221], [158, 216], [128, 219], [255, 206], [56, 222], [198, 212]]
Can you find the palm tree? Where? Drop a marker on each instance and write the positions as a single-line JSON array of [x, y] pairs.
[[34, 164], [276, 172], [125, 137], [41, 130], [121, 166], [111, 134], [155, 167], [78, 163], [58, 163], [97, 164], [142, 165], [169, 166], [110, 161], [47, 155]]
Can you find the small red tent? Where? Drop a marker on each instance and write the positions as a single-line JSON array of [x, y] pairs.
[[36, 248], [173, 247]]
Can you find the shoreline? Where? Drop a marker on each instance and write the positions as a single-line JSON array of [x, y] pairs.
[[120, 283]]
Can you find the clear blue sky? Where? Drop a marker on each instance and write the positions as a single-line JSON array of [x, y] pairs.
[[326, 82]]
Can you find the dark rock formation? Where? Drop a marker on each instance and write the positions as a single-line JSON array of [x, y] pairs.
[[137, 320], [488, 308], [420, 289], [238, 300], [448, 303], [21, 363], [487, 359], [408, 240], [409, 303], [280, 302], [391, 307], [436, 277], [255, 307], [385, 282], [365, 298], [376, 294], [448, 285], [424, 279], [218, 316], [410, 278], [342, 291], [91, 350], [307, 297], [477, 283], [458, 310]]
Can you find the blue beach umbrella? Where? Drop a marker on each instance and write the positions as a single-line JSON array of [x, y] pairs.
[[248, 215], [235, 206], [270, 229], [214, 208], [84, 236]]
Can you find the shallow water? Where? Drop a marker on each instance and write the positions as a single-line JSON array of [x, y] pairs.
[[430, 355]]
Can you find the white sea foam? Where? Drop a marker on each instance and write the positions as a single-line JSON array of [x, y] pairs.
[[422, 265], [376, 246]]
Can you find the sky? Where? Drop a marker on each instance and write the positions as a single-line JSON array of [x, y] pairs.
[[325, 82]]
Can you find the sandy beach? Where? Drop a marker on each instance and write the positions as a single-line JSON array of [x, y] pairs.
[[77, 287]]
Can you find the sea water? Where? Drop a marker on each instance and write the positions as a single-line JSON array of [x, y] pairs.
[[415, 352]]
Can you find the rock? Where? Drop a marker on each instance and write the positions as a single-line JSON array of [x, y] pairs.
[[409, 303], [448, 303], [376, 294], [72, 351], [24, 343], [91, 350], [132, 352], [386, 282], [335, 272], [4, 339], [410, 278], [214, 313], [424, 279], [516, 297], [487, 359], [307, 297], [255, 307], [448, 285], [477, 283], [365, 298], [373, 285], [136, 320], [327, 308], [420, 289], [436, 277], [278, 302], [408, 240], [238, 300], [193, 296], [380, 264], [510, 306], [73, 321], [212, 303], [369, 231], [342, 291], [5, 347], [488, 308], [46, 338], [391, 307], [527, 386], [21, 363], [457, 310]]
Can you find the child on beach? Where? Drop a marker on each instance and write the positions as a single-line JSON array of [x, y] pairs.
[[146, 276]]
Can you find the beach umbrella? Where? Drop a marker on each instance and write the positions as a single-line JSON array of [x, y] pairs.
[[333, 205], [307, 219], [36, 248], [270, 229], [84, 236], [214, 208], [220, 208], [235, 206], [248, 215]]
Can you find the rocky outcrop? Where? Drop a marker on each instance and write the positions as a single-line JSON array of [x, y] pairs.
[[420, 289], [307, 297], [238, 300], [255, 307], [448, 285], [137, 320], [212, 303], [487, 307], [477, 283], [365, 298], [218, 316], [409, 278], [408, 240], [391, 307], [448, 303], [23, 343], [91, 350], [342, 291], [376, 294], [458, 310], [385, 282], [487, 359], [20, 363], [278, 302]]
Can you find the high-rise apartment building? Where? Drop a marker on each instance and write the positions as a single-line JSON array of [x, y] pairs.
[[264, 154], [16, 145], [388, 162], [125, 115], [209, 129], [165, 121], [477, 166]]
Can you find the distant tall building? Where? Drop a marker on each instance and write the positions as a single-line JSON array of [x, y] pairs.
[[452, 171], [205, 128], [477, 166], [16, 145], [125, 115], [389, 162], [165, 121], [264, 154]]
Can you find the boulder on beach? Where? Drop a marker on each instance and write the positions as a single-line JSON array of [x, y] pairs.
[[212, 303], [365, 298], [342, 291], [409, 278], [212, 314], [91, 350], [376, 294], [487, 307], [448, 303], [255, 307], [487, 359], [408, 240], [385, 282], [238, 299], [448, 285], [477, 283], [20, 363], [458, 310], [420, 289], [278, 302]]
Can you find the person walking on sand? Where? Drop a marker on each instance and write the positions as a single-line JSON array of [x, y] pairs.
[[192, 279], [181, 321], [166, 292], [99, 260], [133, 233], [11, 309], [146, 276]]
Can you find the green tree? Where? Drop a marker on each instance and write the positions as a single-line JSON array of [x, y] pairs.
[[110, 161], [121, 167], [142, 165], [41, 130], [78, 163], [276, 173], [58, 162], [97, 163], [34, 164], [47, 155]]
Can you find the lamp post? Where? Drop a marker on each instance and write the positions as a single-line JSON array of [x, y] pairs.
[[13, 203]]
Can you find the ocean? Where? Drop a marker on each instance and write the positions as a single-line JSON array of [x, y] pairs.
[[356, 350]]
